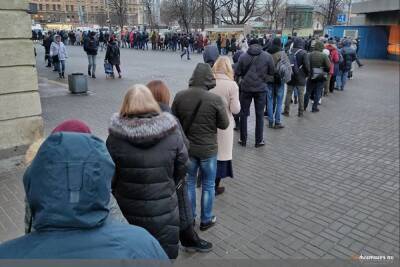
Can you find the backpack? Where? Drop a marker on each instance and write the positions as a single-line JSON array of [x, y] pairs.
[[293, 62], [284, 69]]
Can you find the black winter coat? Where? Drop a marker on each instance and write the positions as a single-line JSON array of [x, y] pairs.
[[150, 158], [256, 68], [91, 46], [303, 63], [113, 53], [211, 115]]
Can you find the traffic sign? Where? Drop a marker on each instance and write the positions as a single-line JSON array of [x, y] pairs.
[[341, 18]]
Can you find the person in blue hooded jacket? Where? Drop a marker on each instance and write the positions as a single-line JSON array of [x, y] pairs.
[[68, 187]]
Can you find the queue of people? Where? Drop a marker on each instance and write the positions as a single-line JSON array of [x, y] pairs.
[[109, 200]]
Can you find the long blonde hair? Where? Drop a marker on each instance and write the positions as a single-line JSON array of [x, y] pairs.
[[223, 65], [138, 100]]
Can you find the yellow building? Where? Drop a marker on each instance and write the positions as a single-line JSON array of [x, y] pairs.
[[82, 12]]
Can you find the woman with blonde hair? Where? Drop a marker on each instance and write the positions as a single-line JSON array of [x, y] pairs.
[[187, 235], [229, 91], [150, 156]]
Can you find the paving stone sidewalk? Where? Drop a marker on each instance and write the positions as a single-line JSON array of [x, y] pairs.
[[325, 186]]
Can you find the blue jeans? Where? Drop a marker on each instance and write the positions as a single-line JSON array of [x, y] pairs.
[[92, 63], [60, 66], [341, 79], [275, 94], [208, 168], [186, 52]]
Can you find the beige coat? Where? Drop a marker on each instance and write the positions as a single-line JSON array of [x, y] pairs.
[[229, 91]]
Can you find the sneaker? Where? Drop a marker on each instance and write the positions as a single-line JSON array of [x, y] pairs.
[[279, 126], [262, 143], [242, 143], [296, 101], [89, 73], [315, 110], [300, 115], [285, 113], [219, 190], [270, 125], [93, 76], [208, 225]]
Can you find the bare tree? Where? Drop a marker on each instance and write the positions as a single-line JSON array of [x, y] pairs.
[[237, 11], [273, 8], [148, 9], [329, 9], [213, 6], [183, 11], [168, 15], [120, 10]]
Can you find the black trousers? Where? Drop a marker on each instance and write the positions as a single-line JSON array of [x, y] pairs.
[[259, 104]]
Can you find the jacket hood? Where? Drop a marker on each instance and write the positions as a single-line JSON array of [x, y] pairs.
[[254, 50], [143, 131], [319, 46], [202, 77], [298, 43], [346, 43], [68, 184]]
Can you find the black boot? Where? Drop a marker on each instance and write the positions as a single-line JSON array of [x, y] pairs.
[[192, 242]]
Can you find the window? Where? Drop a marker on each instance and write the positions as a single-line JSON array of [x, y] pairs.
[[54, 7], [72, 8], [40, 7], [91, 8], [58, 7], [66, 7], [97, 8], [47, 7]]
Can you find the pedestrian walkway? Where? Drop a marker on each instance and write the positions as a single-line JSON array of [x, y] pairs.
[[327, 185]]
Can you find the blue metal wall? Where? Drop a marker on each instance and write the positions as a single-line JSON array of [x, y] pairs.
[[373, 39]]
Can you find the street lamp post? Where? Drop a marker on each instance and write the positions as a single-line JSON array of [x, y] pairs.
[[348, 13], [106, 6]]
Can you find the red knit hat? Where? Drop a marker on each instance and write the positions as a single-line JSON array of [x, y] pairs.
[[72, 126]]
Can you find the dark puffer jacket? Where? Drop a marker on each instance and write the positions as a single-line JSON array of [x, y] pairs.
[[150, 159], [349, 55], [261, 71], [211, 115], [113, 53], [303, 63]]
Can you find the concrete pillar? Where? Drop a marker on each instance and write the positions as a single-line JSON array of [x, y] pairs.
[[20, 110]]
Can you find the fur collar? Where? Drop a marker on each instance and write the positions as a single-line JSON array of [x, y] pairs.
[[143, 131]]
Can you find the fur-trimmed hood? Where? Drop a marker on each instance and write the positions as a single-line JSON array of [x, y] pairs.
[[145, 130]]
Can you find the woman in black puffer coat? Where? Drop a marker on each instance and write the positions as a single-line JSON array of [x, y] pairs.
[[148, 150]]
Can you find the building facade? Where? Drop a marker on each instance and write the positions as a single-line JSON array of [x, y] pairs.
[[83, 12], [20, 109]]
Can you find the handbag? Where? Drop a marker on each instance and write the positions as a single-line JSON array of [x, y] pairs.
[[318, 74], [55, 59]]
